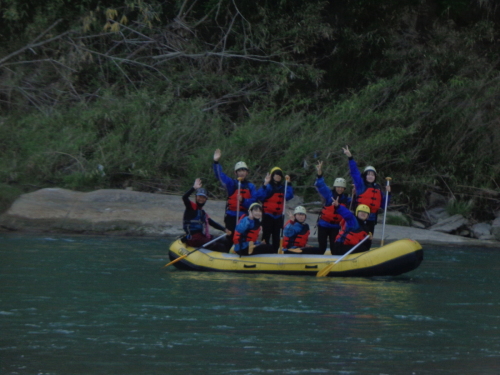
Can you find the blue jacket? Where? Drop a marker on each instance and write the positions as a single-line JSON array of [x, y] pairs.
[[329, 196], [361, 186], [231, 185], [244, 226]]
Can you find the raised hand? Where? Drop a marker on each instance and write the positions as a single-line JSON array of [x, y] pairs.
[[197, 183], [267, 179], [217, 154], [319, 168], [346, 151], [336, 202], [287, 178]]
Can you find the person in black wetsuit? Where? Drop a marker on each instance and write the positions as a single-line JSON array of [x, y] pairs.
[[196, 221]]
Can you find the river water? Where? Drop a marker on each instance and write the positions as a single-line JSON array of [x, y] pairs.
[[91, 305]]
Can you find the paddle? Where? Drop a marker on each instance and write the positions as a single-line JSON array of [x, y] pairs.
[[325, 271], [238, 200], [353, 194], [385, 211], [280, 250], [184, 256]]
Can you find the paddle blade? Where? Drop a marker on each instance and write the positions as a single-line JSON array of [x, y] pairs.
[[175, 261], [325, 271]]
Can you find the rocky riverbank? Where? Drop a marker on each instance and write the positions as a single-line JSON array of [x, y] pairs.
[[130, 213]]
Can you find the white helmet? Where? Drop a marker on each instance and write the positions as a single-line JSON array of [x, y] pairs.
[[370, 168], [339, 182], [300, 210], [240, 165]]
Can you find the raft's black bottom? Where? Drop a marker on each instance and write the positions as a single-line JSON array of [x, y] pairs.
[[393, 267]]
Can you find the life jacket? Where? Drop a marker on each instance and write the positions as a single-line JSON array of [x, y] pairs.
[[299, 240], [197, 223], [372, 197], [328, 214], [232, 200], [251, 235], [352, 237], [274, 204]]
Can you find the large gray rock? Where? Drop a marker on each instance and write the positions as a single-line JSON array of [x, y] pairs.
[[495, 228], [109, 211], [450, 224], [482, 231]]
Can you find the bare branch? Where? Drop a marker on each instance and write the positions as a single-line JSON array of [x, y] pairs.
[[31, 46]]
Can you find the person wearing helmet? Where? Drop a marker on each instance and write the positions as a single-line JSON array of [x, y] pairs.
[[271, 195], [236, 204], [247, 233], [196, 221], [368, 192], [329, 220], [296, 234], [355, 228]]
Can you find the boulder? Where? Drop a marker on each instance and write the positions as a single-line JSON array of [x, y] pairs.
[[435, 215], [450, 224], [417, 224], [435, 200], [109, 211], [495, 228], [482, 231]]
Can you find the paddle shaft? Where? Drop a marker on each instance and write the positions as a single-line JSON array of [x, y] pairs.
[[185, 255], [238, 201], [284, 204], [326, 271], [385, 211], [354, 248]]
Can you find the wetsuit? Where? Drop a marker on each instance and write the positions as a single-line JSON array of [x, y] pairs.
[[367, 193], [196, 224], [247, 191], [353, 231], [271, 196], [329, 220]]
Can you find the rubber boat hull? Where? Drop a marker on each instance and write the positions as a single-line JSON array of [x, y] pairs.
[[393, 259]]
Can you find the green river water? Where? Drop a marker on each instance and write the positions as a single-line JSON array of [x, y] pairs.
[[90, 305]]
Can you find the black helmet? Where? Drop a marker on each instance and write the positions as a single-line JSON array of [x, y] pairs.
[[203, 192]]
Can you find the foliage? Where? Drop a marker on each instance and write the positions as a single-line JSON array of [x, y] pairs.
[[138, 94]]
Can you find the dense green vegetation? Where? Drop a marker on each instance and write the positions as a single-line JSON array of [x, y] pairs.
[[112, 94]]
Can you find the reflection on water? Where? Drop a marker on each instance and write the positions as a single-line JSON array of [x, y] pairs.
[[80, 305]]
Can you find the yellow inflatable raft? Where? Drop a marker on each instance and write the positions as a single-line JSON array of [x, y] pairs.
[[392, 259]]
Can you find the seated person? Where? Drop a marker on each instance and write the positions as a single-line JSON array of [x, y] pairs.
[[354, 230], [296, 234], [247, 232], [196, 221]]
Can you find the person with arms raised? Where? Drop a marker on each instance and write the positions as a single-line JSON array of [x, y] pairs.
[[240, 193], [272, 194], [329, 220], [368, 191], [196, 221]]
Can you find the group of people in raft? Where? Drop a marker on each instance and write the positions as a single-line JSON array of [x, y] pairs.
[[248, 210]]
